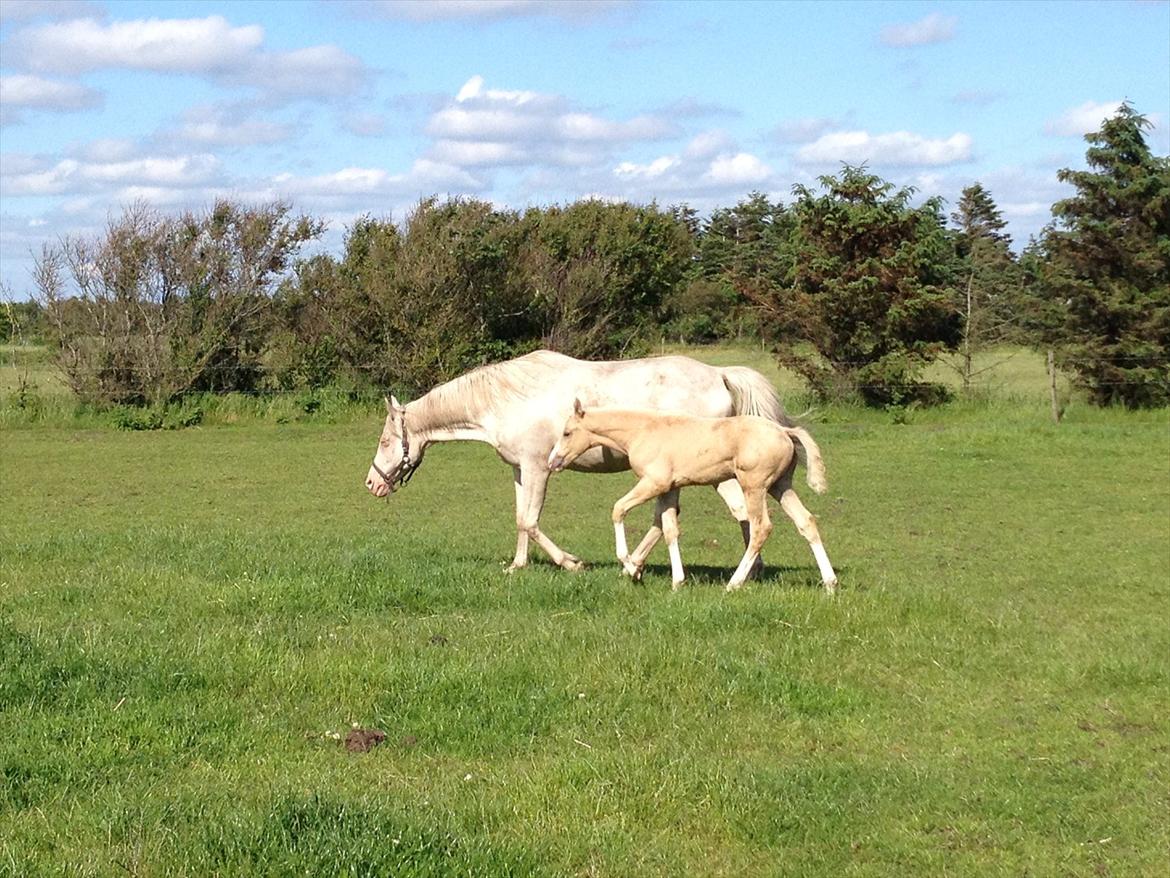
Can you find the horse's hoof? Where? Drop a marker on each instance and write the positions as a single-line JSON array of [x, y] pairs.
[[734, 586], [677, 586], [631, 569], [513, 567], [831, 587], [572, 562]]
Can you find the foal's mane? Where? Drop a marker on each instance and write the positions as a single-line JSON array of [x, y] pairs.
[[486, 389]]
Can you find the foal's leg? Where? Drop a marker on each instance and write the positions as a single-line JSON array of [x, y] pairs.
[[807, 525], [761, 527], [532, 481], [646, 489], [653, 535], [664, 502], [671, 532], [732, 495]]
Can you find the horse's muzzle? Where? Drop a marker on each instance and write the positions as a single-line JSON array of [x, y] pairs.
[[376, 485]]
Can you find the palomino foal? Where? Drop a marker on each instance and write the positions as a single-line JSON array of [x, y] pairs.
[[670, 451]]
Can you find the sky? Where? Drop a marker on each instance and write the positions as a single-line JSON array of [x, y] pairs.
[[362, 108]]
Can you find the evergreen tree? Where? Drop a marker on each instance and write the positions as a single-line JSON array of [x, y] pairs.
[[871, 290], [988, 294], [1108, 264]]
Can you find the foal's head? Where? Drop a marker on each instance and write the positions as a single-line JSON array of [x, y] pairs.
[[574, 440]]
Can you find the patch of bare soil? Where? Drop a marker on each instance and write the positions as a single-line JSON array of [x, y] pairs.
[[363, 740]]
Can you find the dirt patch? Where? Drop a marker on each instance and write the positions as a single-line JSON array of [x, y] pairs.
[[363, 740]]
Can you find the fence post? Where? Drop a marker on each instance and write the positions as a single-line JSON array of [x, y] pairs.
[[1057, 411]]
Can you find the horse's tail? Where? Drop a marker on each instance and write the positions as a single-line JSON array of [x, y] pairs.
[[814, 464], [753, 394]]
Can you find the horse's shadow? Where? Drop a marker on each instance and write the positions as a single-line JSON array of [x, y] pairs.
[[805, 576]]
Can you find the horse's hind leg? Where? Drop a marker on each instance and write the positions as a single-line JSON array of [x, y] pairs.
[[761, 528], [732, 495], [807, 525], [531, 484]]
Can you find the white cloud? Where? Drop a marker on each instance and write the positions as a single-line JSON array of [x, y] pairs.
[[656, 168], [35, 92], [482, 127], [707, 144], [741, 169], [934, 28], [209, 47], [105, 150], [70, 176], [424, 176], [315, 71], [484, 10], [226, 125], [897, 148], [174, 45], [1082, 119]]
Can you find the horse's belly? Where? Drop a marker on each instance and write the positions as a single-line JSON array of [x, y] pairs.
[[600, 460]]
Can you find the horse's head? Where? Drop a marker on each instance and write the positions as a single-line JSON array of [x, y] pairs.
[[393, 464], [574, 440]]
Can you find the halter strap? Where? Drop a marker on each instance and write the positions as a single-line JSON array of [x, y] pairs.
[[404, 470]]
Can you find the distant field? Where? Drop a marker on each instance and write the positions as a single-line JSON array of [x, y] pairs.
[[187, 618]]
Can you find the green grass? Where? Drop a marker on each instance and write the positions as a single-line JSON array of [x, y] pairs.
[[186, 618]]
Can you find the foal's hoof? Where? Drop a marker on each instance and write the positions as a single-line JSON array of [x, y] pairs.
[[734, 586], [677, 586], [513, 567], [572, 562], [631, 569], [831, 587]]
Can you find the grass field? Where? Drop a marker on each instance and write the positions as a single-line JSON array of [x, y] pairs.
[[188, 618]]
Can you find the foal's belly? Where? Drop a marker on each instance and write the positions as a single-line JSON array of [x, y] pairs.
[[600, 460]]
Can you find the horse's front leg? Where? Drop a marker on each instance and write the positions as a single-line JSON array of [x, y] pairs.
[[646, 489], [531, 481]]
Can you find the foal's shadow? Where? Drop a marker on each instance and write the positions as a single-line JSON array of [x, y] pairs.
[[804, 576]]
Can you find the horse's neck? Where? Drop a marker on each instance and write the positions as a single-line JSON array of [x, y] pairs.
[[615, 428], [442, 416]]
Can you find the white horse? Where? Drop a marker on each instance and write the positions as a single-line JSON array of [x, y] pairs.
[[519, 407]]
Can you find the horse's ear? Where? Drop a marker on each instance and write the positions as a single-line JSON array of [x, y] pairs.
[[578, 409], [394, 404], [389, 404]]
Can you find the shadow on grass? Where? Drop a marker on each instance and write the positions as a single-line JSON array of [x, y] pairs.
[[804, 576]]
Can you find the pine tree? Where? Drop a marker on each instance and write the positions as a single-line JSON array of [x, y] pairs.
[[1109, 265], [988, 294], [870, 289]]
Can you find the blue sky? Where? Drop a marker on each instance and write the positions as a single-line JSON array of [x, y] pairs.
[[350, 108]]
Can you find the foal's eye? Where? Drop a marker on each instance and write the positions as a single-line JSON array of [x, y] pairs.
[[566, 433]]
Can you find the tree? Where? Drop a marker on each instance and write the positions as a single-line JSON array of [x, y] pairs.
[[988, 298], [1108, 267], [870, 291]]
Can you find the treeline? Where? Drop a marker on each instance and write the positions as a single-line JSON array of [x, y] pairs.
[[852, 285]]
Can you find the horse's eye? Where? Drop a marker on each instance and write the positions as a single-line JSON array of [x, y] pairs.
[[566, 432]]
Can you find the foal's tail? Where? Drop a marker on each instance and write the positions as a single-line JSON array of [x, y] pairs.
[[814, 463]]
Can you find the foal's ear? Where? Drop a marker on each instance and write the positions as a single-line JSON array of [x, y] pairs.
[[578, 409], [389, 405]]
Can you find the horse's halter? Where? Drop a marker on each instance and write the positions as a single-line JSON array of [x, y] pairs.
[[403, 470]]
